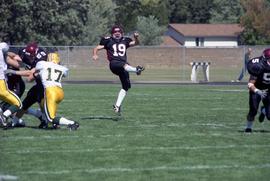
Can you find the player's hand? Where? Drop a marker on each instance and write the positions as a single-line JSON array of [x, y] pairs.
[[136, 35], [10, 71], [262, 93], [95, 57]]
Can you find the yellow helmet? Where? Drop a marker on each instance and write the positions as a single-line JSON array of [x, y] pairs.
[[53, 57]]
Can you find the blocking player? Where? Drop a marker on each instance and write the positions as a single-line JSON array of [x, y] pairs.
[[51, 73], [5, 94], [30, 55], [116, 46], [259, 85], [16, 84]]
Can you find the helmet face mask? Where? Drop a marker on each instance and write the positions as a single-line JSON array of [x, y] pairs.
[[117, 32], [53, 57]]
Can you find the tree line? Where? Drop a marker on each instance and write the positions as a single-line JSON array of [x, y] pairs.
[[83, 22]]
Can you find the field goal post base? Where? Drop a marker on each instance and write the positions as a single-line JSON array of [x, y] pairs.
[[194, 71]]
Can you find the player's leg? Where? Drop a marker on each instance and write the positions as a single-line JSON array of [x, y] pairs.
[[126, 85], [262, 114], [138, 70], [266, 108], [16, 84], [12, 99], [35, 94], [117, 68], [53, 97], [254, 101]]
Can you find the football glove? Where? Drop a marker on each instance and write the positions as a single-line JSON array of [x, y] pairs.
[[262, 93]]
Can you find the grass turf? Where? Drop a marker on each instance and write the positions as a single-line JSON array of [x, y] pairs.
[[166, 132]]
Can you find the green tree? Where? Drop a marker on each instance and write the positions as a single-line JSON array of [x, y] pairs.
[[199, 11], [150, 31], [128, 11], [190, 11], [55, 22], [255, 22], [100, 19], [178, 11], [228, 11], [16, 21]]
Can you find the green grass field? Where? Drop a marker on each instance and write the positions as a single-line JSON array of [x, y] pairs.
[[166, 132]]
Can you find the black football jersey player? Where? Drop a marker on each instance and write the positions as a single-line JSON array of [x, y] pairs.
[[116, 48], [259, 70], [30, 56]]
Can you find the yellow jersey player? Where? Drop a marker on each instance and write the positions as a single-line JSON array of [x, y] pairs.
[[5, 94], [51, 74]]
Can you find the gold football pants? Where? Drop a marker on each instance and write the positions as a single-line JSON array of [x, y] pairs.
[[53, 96], [8, 96]]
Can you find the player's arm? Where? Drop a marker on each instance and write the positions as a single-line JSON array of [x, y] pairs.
[[253, 88], [95, 51], [136, 40], [24, 73], [14, 60], [251, 85]]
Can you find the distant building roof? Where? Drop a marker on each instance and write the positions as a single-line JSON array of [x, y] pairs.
[[207, 30], [167, 40]]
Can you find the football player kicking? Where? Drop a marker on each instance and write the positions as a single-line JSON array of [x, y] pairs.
[[259, 85], [51, 74], [116, 46], [5, 94]]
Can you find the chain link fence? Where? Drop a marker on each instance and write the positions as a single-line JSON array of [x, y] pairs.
[[162, 63]]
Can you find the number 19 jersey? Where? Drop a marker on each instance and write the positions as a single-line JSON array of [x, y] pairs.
[[51, 73], [116, 48]]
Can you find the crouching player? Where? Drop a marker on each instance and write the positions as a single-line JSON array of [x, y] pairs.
[[51, 74]]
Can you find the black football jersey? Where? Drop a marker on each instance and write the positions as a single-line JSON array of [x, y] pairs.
[[263, 76], [116, 48], [31, 63]]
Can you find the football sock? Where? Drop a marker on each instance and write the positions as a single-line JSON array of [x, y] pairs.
[[17, 120], [249, 124], [263, 111], [121, 95], [7, 113], [129, 68], [34, 112], [64, 121]]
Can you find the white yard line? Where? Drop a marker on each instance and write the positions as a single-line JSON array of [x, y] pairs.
[[130, 149], [160, 168], [7, 177]]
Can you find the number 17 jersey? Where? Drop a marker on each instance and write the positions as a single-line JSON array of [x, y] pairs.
[[51, 73], [116, 48]]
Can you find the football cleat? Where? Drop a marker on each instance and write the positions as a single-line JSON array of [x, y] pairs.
[[248, 130], [3, 121], [74, 126], [117, 109], [43, 125], [16, 125], [262, 115], [139, 70]]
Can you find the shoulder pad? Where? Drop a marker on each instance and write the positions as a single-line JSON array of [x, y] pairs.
[[255, 66]]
